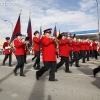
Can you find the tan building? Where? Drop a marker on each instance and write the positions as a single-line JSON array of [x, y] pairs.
[[1, 43]]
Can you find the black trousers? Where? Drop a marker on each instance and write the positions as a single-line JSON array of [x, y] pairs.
[[91, 53], [57, 55], [82, 55], [6, 57], [96, 70], [63, 60], [25, 57], [87, 55], [37, 62], [20, 63], [95, 53], [34, 57], [75, 59], [48, 65], [70, 54]]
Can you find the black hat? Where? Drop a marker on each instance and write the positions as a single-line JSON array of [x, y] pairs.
[[36, 32], [7, 38], [27, 38], [48, 30], [63, 34], [60, 35], [19, 34]]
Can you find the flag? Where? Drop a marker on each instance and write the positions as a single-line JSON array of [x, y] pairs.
[[17, 29], [58, 33], [40, 34], [29, 31], [55, 32], [40, 30]]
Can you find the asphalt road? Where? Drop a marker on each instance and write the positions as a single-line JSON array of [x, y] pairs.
[[79, 85]]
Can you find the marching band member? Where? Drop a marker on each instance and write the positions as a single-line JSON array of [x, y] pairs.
[[19, 53], [26, 48], [64, 45], [94, 45], [36, 41], [7, 51], [70, 47], [75, 46], [33, 53], [87, 48], [91, 49], [82, 51], [48, 56]]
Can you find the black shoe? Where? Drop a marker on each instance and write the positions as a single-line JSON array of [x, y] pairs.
[[15, 73], [68, 71], [77, 66], [37, 77], [36, 68], [22, 75], [10, 65], [33, 58], [83, 62], [53, 80]]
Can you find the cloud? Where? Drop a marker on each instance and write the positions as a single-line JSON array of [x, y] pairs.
[[47, 13], [87, 4]]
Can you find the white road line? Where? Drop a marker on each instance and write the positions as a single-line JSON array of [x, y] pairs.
[[86, 75]]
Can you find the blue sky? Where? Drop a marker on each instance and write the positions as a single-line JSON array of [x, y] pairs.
[[70, 15]]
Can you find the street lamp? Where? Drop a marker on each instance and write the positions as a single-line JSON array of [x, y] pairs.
[[11, 24], [98, 18]]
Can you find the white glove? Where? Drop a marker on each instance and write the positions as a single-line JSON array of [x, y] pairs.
[[8, 47]]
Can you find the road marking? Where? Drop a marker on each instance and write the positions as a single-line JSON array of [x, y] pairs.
[[86, 75]]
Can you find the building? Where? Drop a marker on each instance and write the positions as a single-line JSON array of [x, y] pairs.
[[1, 43]]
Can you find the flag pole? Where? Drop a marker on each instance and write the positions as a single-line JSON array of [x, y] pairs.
[[29, 14], [20, 11], [55, 23]]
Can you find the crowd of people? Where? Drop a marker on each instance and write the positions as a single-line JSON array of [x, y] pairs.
[[69, 49]]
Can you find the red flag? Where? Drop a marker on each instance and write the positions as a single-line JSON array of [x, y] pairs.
[[29, 31], [17, 29]]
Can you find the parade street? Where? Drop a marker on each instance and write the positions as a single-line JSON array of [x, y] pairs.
[[79, 85]]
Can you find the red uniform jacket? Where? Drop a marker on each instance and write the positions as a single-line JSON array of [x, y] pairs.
[[79, 47], [75, 46], [94, 45], [91, 48], [25, 48], [64, 48], [6, 51], [19, 47], [36, 42], [82, 45], [70, 46], [87, 45], [48, 49]]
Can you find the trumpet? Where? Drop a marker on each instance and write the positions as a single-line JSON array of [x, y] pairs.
[[56, 41]]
